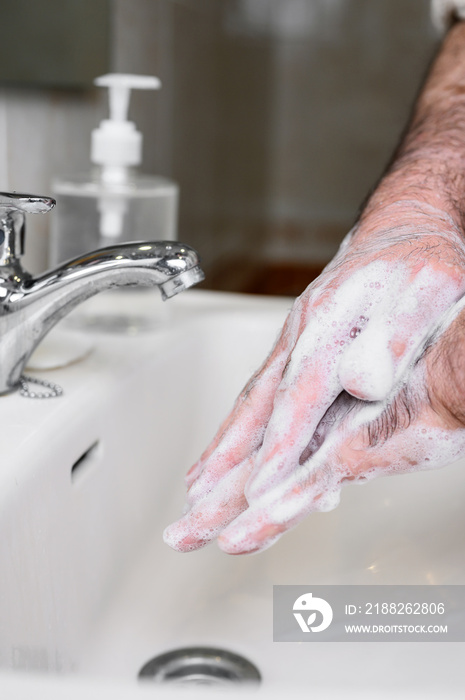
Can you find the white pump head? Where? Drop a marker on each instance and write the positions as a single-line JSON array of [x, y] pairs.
[[116, 144]]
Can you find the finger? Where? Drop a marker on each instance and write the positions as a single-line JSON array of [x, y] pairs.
[[311, 382], [281, 509], [420, 442], [226, 501], [314, 485], [395, 337], [242, 432], [308, 388], [211, 514], [313, 339]]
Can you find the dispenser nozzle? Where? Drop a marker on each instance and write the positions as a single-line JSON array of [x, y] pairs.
[[119, 86], [117, 145]]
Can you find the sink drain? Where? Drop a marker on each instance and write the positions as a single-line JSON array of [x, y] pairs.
[[200, 666]]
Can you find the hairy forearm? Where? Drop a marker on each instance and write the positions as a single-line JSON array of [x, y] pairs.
[[429, 164]]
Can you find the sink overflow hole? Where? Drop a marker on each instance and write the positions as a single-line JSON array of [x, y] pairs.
[[83, 461], [200, 666]]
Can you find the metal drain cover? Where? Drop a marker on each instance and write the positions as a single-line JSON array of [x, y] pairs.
[[200, 666]]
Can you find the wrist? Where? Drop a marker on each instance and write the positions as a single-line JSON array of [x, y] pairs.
[[418, 196]]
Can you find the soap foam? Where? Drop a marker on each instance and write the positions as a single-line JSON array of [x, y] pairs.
[[359, 317]]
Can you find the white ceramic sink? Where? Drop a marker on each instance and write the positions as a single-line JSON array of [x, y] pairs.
[[89, 589]]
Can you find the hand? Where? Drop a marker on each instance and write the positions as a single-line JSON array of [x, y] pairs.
[[307, 420], [422, 427], [344, 394]]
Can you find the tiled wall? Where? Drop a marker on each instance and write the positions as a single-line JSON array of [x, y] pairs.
[[275, 116], [310, 97]]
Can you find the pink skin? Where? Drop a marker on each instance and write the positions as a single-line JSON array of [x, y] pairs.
[[427, 437], [348, 356], [272, 462]]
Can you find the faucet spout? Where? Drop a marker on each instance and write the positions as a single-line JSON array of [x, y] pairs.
[[30, 307]]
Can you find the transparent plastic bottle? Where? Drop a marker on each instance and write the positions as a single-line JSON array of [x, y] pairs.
[[146, 206]]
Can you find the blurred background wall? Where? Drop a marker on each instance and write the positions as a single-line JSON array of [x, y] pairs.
[[275, 118]]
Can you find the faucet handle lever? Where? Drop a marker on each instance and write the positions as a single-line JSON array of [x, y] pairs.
[[13, 207]]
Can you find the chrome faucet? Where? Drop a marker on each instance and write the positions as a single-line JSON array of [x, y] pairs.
[[31, 306]]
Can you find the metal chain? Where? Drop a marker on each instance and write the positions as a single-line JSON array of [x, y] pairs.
[[54, 389]]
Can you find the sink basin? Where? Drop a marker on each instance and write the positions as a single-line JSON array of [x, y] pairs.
[[89, 481]]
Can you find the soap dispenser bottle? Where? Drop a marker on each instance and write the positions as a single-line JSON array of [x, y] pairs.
[[114, 203]]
